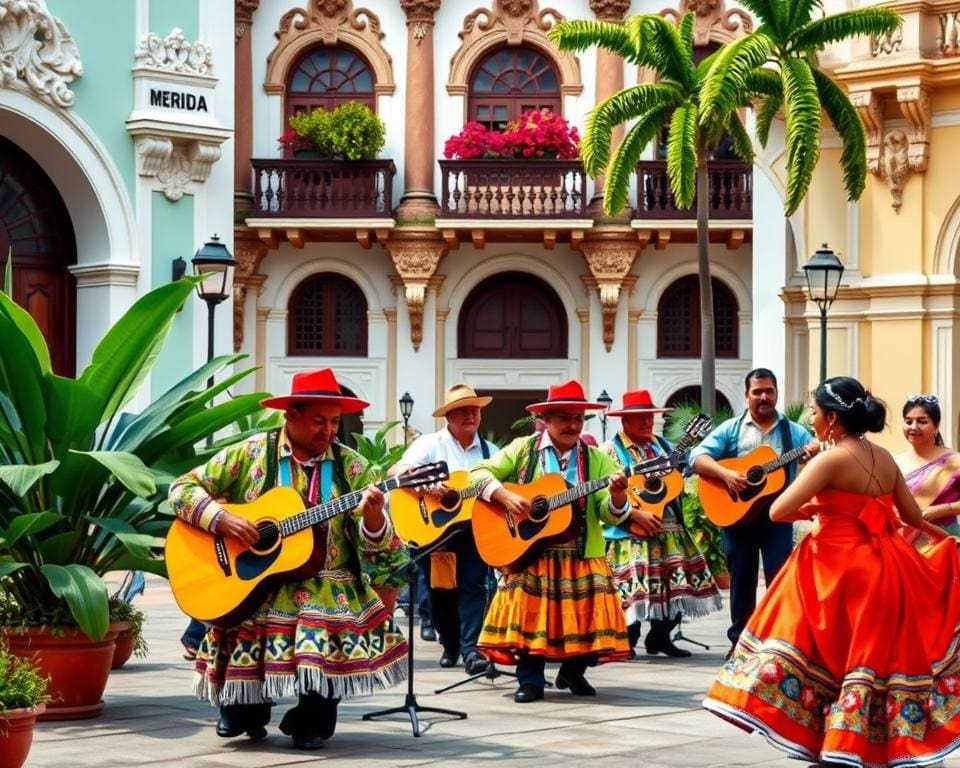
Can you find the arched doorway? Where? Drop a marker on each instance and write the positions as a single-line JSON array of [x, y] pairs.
[[36, 228], [690, 396]]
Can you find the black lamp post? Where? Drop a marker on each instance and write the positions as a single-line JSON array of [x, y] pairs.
[[406, 408], [606, 401], [823, 273], [216, 264]]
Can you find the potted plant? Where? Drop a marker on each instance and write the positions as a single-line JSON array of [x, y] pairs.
[[23, 694], [83, 485], [350, 132], [536, 135], [127, 620]]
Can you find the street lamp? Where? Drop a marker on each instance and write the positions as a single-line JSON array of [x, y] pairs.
[[406, 408], [216, 264], [823, 273], [606, 401]]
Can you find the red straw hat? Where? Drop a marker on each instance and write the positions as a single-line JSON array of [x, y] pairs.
[[568, 396], [316, 387], [638, 401]]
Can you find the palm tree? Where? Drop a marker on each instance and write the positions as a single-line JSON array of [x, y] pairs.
[[676, 99], [778, 63]]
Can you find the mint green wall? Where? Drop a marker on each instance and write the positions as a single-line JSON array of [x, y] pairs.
[[172, 236], [105, 34], [167, 14]]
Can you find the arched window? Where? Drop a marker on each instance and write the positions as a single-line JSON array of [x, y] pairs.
[[35, 226], [513, 315], [678, 319], [691, 395], [327, 316], [509, 82], [327, 77]]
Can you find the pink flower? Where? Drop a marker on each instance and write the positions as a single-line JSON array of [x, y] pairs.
[[850, 702], [300, 597], [890, 708], [808, 697], [537, 134], [948, 684], [770, 672]]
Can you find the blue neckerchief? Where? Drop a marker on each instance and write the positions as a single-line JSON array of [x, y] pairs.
[[326, 478], [551, 464]]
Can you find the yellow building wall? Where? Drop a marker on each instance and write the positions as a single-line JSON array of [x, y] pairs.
[[896, 371], [942, 188], [826, 201]]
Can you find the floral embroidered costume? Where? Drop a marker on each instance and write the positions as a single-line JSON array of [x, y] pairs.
[[852, 655]]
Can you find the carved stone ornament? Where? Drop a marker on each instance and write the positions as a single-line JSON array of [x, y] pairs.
[[515, 15], [37, 51], [610, 10], [175, 166], [329, 16], [609, 264], [243, 16], [420, 11], [249, 252], [174, 54], [712, 23], [896, 165], [416, 262]]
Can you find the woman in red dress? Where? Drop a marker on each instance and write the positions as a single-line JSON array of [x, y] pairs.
[[851, 658]]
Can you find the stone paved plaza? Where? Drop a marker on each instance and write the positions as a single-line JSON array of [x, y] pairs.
[[647, 713]]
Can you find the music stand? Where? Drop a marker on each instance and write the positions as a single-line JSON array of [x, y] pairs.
[[410, 705], [680, 636]]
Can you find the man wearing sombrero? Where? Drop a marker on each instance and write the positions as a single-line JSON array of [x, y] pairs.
[[564, 606], [457, 612], [325, 637], [662, 576]]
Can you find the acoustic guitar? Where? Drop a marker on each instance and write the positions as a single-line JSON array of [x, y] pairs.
[[219, 580], [510, 543], [652, 492], [420, 518], [766, 478]]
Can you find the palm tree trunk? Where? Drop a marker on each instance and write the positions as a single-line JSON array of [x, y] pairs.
[[708, 385]]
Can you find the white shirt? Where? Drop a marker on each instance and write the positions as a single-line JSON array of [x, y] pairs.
[[443, 446]]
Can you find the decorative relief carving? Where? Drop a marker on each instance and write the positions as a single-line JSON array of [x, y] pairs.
[[416, 262], [610, 10], [174, 54], [610, 264], [514, 15], [896, 165], [249, 252], [328, 17], [914, 103], [420, 10], [713, 23], [887, 44], [175, 166], [870, 108], [37, 51], [243, 16]]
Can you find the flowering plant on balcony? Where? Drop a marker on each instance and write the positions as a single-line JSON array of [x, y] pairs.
[[350, 131], [537, 134]]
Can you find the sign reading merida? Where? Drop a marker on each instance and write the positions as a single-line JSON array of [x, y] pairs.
[[189, 102]]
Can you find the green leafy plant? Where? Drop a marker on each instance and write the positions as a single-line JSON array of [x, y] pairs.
[[83, 484], [122, 610], [378, 454], [705, 534], [21, 684], [351, 131]]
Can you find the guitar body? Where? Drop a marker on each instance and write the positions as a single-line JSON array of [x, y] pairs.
[[652, 494], [510, 544], [421, 518], [724, 509], [220, 581]]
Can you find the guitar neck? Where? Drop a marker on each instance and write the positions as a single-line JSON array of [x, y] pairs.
[[329, 509], [648, 467], [784, 459]]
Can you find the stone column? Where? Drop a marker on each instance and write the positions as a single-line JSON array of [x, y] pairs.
[[609, 80], [243, 104], [419, 200]]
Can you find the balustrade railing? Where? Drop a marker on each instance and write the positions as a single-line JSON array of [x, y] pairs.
[[731, 191]]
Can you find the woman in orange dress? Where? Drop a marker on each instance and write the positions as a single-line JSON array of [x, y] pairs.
[[931, 469], [851, 658]]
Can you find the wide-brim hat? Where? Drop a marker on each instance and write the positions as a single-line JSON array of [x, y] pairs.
[[568, 396], [461, 396], [316, 387], [638, 401]]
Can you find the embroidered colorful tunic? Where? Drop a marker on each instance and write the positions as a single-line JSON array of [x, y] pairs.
[[852, 655], [564, 604], [662, 576], [329, 633]]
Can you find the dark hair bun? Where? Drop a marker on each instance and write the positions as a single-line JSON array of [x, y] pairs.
[[874, 415], [857, 410]]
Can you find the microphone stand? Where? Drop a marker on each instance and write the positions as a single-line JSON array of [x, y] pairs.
[[410, 705], [678, 636]]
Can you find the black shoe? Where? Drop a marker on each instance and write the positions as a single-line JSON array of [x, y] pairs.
[[237, 719], [228, 728], [449, 657], [528, 692], [307, 742], [476, 664], [729, 654], [428, 633], [667, 648], [578, 685]]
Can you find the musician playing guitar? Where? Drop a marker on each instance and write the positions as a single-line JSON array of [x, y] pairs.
[[458, 611], [326, 636], [744, 544], [568, 587], [661, 575]]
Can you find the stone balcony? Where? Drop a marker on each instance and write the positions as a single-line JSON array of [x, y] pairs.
[[731, 192]]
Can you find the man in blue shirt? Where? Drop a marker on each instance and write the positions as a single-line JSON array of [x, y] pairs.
[[746, 542]]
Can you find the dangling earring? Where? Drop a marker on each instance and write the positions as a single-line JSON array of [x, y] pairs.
[[830, 440]]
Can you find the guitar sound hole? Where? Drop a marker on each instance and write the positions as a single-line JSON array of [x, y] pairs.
[[539, 509], [269, 534], [450, 500], [653, 485], [755, 475]]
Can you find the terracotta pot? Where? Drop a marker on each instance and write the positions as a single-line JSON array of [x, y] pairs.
[[16, 735], [723, 580], [126, 639], [78, 668]]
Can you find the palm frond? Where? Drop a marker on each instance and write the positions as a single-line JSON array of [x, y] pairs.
[[726, 82], [802, 107], [665, 47], [682, 155], [623, 163], [771, 13], [741, 139], [580, 34], [841, 26], [764, 82], [765, 114], [846, 120], [800, 11], [622, 107]]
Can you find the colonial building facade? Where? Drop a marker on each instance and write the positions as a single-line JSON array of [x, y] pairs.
[[411, 272]]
